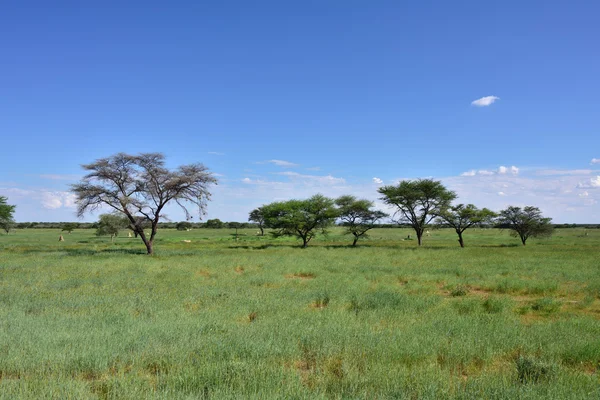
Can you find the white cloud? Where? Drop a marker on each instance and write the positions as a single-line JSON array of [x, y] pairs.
[[283, 163], [595, 161], [592, 183], [584, 194], [377, 181], [54, 200], [469, 173], [485, 101], [216, 153], [501, 194], [505, 170], [485, 172]]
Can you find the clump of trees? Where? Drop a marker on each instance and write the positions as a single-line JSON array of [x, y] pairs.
[[417, 203], [139, 187], [7, 221]]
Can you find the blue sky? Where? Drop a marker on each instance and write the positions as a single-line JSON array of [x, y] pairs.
[[343, 95]]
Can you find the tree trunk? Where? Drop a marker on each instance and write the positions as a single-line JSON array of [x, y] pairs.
[[262, 231], [419, 236], [460, 239], [304, 242], [355, 240], [149, 247]]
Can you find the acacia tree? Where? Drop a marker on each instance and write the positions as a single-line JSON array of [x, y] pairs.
[[69, 227], [525, 223], [139, 187], [417, 202], [357, 216], [111, 224], [6, 215], [300, 218], [461, 217], [257, 217]]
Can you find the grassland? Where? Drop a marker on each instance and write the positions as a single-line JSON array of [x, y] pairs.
[[260, 318]]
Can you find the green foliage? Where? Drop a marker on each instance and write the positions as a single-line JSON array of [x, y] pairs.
[[110, 224], [258, 217], [6, 215], [300, 218], [417, 202], [525, 223], [69, 227], [214, 223], [531, 370], [357, 216], [183, 226], [461, 217]]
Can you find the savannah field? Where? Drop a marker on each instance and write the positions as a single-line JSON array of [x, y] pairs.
[[260, 318]]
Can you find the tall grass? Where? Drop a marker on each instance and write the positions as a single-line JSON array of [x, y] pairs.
[[261, 318]]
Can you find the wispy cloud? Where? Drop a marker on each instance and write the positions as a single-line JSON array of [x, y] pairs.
[[216, 153], [59, 177], [502, 170], [313, 168], [485, 101], [279, 163], [550, 172], [595, 161]]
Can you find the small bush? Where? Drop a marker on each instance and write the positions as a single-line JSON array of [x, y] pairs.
[[493, 305], [530, 370], [545, 305], [321, 301], [459, 290], [466, 306]]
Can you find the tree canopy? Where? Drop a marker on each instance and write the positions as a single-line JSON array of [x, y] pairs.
[[6, 215], [526, 222], [139, 187], [111, 224], [303, 219], [461, 217], [357, 216], [417, 202], [257, 216]]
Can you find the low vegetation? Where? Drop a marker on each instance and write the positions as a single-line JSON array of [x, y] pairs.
[[210, 316]]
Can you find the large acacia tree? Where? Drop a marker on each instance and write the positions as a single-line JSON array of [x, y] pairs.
[[417, 202], [139, 187], [300, 218], [526, 222], [461, 217]]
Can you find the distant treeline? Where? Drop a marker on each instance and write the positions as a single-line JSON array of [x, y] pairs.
[[218, 224]]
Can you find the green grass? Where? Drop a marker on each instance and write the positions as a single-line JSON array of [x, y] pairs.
[[217, 318]]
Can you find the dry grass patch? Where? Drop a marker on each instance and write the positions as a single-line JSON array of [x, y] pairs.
[[301, 275]]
